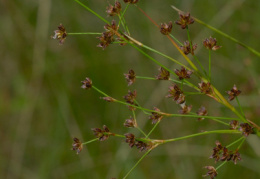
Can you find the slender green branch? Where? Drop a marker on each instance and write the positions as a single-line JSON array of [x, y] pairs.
[[90, 141], [152, 129], [223, 163], [209, 65], [241, 143], [84, 33], [219, 121], [238, 140], [240, 107], [139, 127], [174, 38], [146, 153]]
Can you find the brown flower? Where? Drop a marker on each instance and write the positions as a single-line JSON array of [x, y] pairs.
[[202, 112], [114, 10], [131, 1], [77, 145], [142, 146], [236, 156], [156, 117], [163, 74], [183, 73], [211, 44], [130, 122], [130, 77], [130, 97], [212, 172], [108, 99], [217, 151], [186, 48], [166, 28], [176, 94], [108, 36], [233, 93], [130, 139], [227, 155], [184, 20], [86, 84], [102, 134], [60, 34], [185, 109], [234, 124], [246, 129], [205, 87]]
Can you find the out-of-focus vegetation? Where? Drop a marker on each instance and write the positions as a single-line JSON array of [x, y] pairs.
[[42, 106]]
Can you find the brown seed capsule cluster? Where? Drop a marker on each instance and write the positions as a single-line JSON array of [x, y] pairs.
[[77, 145], [130, 77], [234, 125], [185, 109], [156, 117], [130, 98], [108, 36], [131, 122], [131, 140], [102, 134], [166, 28], [202, 112], [183, 73], [226, 154], [163, 74], [114, 10], [60, 34], [246, 129], [86, 84], [176, 93], [211, 44], [184, 20], [108, 99], [205, 87], [234, 92], [212, 172], [131, 1], [186, 48]]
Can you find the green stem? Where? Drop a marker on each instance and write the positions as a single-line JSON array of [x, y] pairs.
[[221, 165], [203, 133], [241, 143], [241, 138], [176, 40], [221, 122], [209, 65], [203, 69], [240, 107], [90, 141], [139, 127], [146, 153], [152, 129], [84, 33]]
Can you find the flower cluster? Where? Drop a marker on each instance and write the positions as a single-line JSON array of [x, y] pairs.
[[166, 28], [234, 92], [156, 116], [183, 73], [211, 44], [205, 87], [131, 122], [187, 48], [107, 37], [202, 112], [130, 99], [132, 141], [102, 134], [114, 10], [87, 83], [184, 20], [176, 93], [131, 1], [77, 145], [130, 77], [212, 172], [163, 74], [246, 129]]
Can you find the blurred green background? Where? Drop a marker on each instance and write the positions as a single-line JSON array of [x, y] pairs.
[[42, 106]]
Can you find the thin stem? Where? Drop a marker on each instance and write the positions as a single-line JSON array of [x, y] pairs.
[[84, 33], [221, 165], [209, 65], [181, 84], [152, 129], [146, 153], [221, 122], [203, 69], [241, 143], [241, 138], [139, 127], [174, 38], [240, 107], [203, 133], [90, 141]]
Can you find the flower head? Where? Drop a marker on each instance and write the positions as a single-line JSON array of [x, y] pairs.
[[185, 109], [131, 122], [233, 93], [217, 151], [184, 20], [176, 94], [211, 44], [130, 77], [183, 73], [86, 84], [246, 129], [163, 74], [130, 97], [107, 37], [186, 48], [212, 172], [130, 139], [234, 124], [236, 157], [60, 34], [156, 117], [131, 1], [166, 28], [202, 112], [102, 134], [205, 87], [77, 145], [114, 10]]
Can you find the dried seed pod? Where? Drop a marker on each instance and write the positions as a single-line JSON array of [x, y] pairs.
[[184, 20], [60, 34]]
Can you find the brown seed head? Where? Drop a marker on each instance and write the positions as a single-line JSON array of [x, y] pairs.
[[130, 139], [166, 28], [77, 145], [234, 124], [205, 87], [142, 146], [102, 134], [211, 44], [163, 74], [183, 73], [236, 157], [186, 48], [130, 77], [176, 94], [108, 99], [233, 93], [246, 129], [212, 172], [131, 1], [217, 151], [131, 122], [114, 10], [202, 112], [185, 109], [184, 20], [86, 84], [227, 155], [130, 97], [156, 117], [60, 34]]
